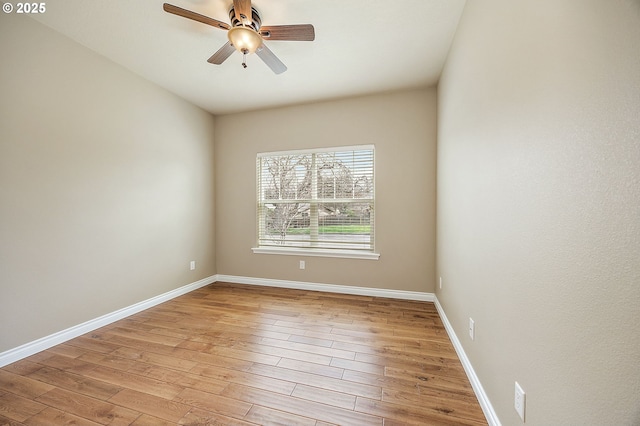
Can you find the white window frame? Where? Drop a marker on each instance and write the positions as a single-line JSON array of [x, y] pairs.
[[313, 251]]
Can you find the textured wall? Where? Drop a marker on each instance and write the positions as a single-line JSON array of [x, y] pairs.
[[106, 185], [402, 126], [539, 205]]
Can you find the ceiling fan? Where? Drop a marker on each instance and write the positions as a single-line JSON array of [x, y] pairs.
[[247, 35]]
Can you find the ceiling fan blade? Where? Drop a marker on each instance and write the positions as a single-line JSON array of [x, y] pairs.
[[194, 16], [271, 59], [302, 32], [222, 54], [243, 11]]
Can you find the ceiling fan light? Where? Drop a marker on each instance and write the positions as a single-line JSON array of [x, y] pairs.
[[244, 39]]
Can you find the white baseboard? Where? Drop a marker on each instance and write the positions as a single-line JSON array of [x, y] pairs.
[[329, 288], [483, 399], [28, 349]]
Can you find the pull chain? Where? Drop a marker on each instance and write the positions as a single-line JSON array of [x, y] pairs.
[[244, 58]]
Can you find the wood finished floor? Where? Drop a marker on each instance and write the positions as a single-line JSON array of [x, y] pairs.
[[230, 354]]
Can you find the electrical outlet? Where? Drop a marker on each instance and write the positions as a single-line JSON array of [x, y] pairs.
[[519, 401], [192, 265], [440, 283], [302, 264], [472, 329]]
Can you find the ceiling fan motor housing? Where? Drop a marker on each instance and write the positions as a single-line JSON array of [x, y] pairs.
[[256, 21]]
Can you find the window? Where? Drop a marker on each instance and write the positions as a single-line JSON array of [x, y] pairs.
[[317, 202]]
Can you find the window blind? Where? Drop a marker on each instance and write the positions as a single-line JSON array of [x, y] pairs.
[[317, 199]]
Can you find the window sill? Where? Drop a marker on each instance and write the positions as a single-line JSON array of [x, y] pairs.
[[290, 251]]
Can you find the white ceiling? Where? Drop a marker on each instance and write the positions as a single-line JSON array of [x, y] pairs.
[[361, 47]]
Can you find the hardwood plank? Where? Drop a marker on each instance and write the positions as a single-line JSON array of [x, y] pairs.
[[218, 404], [428, 346], [76, 383], [149, 420], [215, 360], [311, 341], [135, 382], [464, 406], [322, 382], [174, 362], [399, 354], [417, 416], [336, 399], [196, 344], [269, 417], [433, 382], [108, 360], [89, 408], [181, 379], [23, 386], [53, 416], [141, 345], [72, 365], [144, 336], [199, 417], [18, 408], [358, 366], [304, 347], [253, 335], [6, 421], [377, 342], [22, 367], [285, 353], [318, 328], [289, 330], [171, 331], [300, 407], [67, 350], [96, 344], [309, 367], [358, 348], [226, 376], [426, 369], [150, 404], [239, 354]]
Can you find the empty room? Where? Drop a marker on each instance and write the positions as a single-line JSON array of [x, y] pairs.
[[297, 212]]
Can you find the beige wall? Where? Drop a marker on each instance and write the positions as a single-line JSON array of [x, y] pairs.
[[539, 205], [106, 185], [402, 126]]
